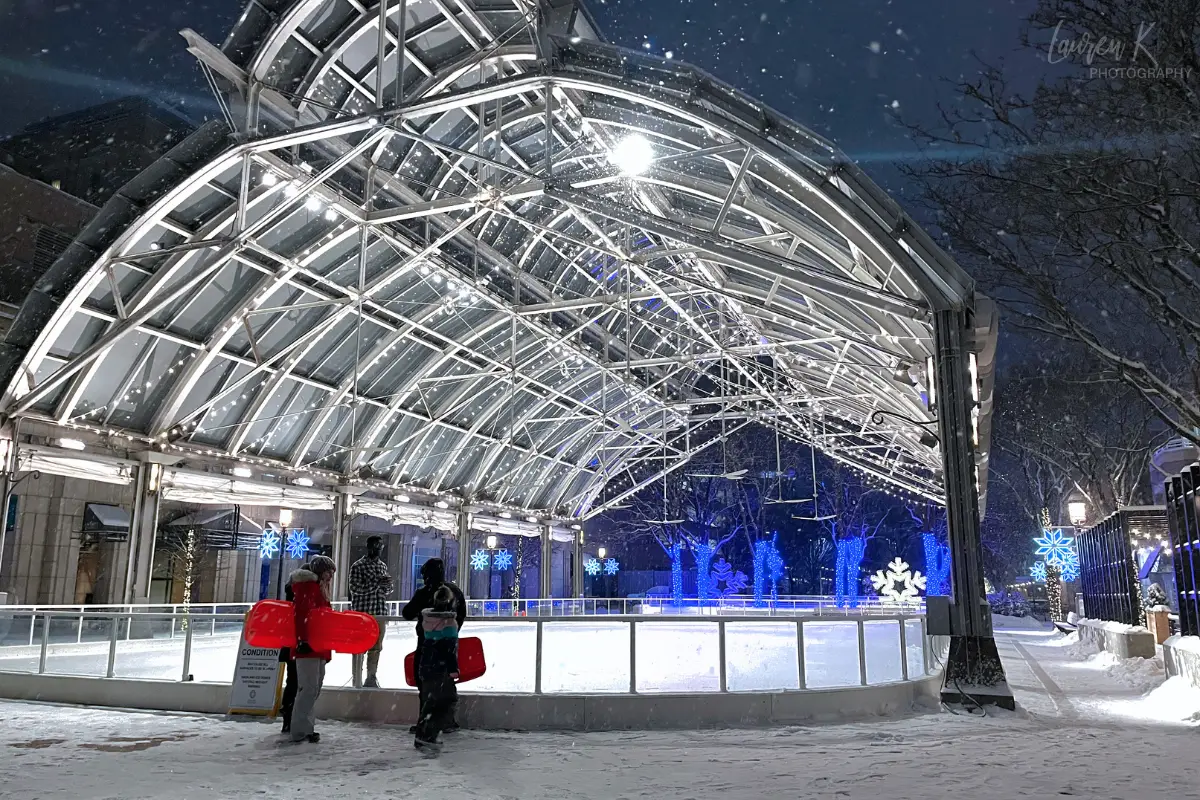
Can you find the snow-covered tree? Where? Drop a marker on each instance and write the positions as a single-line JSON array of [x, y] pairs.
[[1078, 205]]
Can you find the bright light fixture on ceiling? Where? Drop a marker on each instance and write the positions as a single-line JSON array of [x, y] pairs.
[[303, 481], [242, 472], [633, 155], [71, 444]]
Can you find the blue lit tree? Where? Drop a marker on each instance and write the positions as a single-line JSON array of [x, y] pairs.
[[937, 565], [676, 553], [768, 569], [852, 514], [689, 511], [703, 553]]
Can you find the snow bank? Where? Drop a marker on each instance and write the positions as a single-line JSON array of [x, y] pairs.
[[1112, 627], [1176, 699], [1142, 674]]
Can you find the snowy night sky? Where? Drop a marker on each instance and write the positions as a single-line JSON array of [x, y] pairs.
[[842, 68]]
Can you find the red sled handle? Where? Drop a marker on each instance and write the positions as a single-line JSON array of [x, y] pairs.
[[471, 662]]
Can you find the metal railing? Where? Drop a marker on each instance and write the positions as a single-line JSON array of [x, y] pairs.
[[612, 655]]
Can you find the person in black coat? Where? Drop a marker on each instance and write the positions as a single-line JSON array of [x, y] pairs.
[[439, 668], [433, 573], [285, 657]]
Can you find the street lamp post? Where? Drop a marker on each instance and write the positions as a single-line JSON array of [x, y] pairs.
[[285, 519]]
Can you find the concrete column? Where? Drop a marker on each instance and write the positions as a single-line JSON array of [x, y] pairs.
[[343, 519], [545, 574], [143, 532], [577, 566], [464, 552]]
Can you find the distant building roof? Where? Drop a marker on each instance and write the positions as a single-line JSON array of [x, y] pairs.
[[93, 152], [115, 108]]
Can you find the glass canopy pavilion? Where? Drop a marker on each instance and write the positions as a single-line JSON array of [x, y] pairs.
[[486, 271]]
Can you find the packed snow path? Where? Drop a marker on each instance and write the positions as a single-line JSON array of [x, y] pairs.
[[1084, 728]]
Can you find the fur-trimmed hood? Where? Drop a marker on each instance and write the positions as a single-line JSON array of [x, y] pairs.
[[303, 576]]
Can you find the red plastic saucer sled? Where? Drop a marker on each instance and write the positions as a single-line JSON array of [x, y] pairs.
[[272, 624], [471, 663]]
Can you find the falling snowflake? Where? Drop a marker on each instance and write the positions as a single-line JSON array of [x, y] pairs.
[[591, 566], [479, 560], [898, 584], [297, 544], [1057, 548], [1038, 572], [268, 544], [611, 567], [503, 560]]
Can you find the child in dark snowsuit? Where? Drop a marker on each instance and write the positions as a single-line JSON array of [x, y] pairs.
[[438, 668]]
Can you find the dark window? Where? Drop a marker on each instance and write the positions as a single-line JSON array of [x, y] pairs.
[[48, 246]]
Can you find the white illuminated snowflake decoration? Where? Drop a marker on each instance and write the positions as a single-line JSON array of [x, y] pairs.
[[592, 566], [479, 560], [898, 584], [503, 560], [268, 544]]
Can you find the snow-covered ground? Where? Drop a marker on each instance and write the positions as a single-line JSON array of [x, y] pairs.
[[1083, 728], [579, 656]]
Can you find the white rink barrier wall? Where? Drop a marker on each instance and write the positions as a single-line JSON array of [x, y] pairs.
[[592, 673]]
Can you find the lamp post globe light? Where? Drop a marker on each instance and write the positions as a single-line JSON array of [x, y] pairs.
[[1077, 512]]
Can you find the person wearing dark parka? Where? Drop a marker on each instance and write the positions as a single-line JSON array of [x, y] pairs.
[[285, 658], [433, 573]]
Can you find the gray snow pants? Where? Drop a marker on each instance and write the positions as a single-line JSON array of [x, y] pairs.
[[310, 674]]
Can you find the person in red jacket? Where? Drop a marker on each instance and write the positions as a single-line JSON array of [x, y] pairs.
[[312, 589]]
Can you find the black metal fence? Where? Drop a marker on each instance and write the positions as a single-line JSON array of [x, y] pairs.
[[1183, 516], [1108, 568]]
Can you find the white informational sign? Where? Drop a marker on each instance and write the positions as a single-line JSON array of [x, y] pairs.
[[255, 681]]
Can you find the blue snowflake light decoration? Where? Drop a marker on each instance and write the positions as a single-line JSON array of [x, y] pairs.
[[735, 580], [1070, 567], [297, 544], [268, 544], [611, 567], [591, 566], [480, 560], [503, 560], [1055, 547], [1038, 572]]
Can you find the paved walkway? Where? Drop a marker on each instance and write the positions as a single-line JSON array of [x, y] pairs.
[[1083, 728]]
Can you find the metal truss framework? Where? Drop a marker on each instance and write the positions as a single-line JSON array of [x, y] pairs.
[[448, 282]]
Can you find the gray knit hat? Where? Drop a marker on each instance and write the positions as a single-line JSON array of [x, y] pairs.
[[319, 564]]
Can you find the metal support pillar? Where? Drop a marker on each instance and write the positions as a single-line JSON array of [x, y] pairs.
[[973, 669], [546, 564], [464, 553], [577, 566], [139, 570], [343, 517]]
